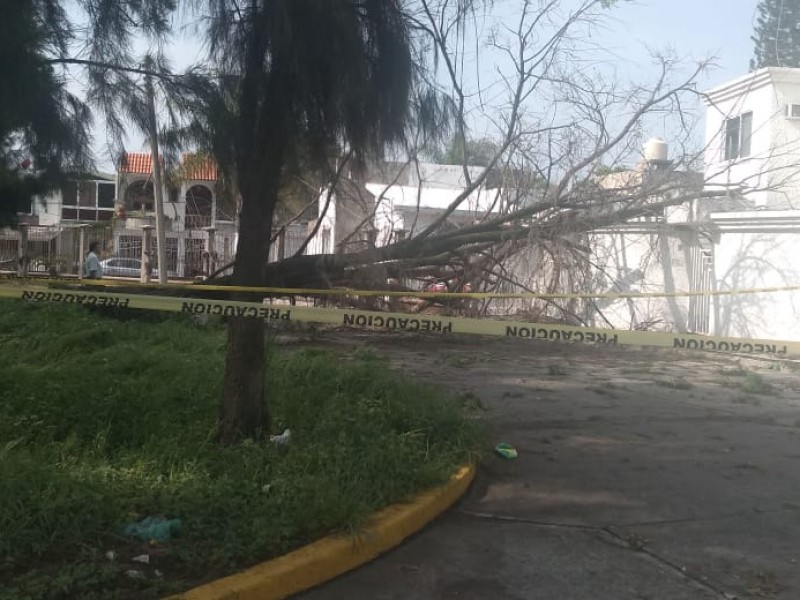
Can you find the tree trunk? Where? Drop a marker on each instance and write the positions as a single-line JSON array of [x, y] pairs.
[[244, 407], [244, 411]]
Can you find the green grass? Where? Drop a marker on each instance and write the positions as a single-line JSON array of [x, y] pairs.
[[104, 421]]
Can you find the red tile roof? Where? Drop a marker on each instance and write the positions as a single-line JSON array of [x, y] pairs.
[[193, 166], [197, 166], [136, 162]]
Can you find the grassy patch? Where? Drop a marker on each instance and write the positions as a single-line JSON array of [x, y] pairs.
[[674, 383], [642, 370], [605, 388], [460, 359], [733, 370], [367, 354], [106, 421], [753, 383], [556, 370], [449, 359]]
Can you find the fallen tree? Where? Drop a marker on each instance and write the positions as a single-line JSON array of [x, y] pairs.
[[553, 169]]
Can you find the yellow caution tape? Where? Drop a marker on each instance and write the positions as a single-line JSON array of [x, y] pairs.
[[374, 320], [279, 291]]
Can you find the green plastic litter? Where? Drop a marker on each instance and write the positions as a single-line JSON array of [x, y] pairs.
[[506, 451], [153, 528]]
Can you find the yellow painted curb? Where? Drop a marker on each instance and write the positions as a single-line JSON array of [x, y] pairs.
[[321, 561]]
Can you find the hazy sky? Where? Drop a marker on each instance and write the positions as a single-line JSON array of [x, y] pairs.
[[694, 29]]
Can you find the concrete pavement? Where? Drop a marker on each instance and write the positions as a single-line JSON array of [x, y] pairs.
[[641, 475]]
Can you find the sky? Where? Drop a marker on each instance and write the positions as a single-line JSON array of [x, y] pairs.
[[692, 29]]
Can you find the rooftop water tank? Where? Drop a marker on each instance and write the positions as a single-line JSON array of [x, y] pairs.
[[656, 151]]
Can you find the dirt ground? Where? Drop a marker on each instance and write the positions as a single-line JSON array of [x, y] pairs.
[[642, 474]]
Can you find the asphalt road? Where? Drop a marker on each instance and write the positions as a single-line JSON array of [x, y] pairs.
[[641, 475]]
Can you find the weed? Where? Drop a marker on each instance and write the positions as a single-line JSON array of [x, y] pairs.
[[470, 402], [792, 365], [643, 370], [367, 354], [726, 383], [557, 371], [607, 388], [744, 399], [698, 356], [105, 421], [449, 359], [736, 371], [675, 384], [753, 383]]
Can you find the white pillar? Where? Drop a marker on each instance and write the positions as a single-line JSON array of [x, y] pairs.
[[147, 236], [22, 251], [81, 249], [211, 250]]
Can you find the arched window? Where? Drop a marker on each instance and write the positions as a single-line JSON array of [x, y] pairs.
[[139, 196], [199, 202]]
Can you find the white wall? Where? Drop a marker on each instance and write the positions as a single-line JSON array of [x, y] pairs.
[[770, 175], [323, 242], [400, 208], [433, 175], [411, 209], [48, 209], [785, 161], [758, 250], [643, 259]]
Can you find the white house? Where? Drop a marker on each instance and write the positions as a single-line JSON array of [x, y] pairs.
[[753, 143], [397, 203], [114, 208], [193, 211], [88, 199], [668, 250], [749, 238]]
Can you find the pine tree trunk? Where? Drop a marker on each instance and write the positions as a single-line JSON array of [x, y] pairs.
[[244, 412], [244, 408]]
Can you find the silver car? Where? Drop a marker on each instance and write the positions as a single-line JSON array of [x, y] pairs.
[[118, 266]]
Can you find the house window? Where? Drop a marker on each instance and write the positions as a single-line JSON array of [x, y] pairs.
[[25, 206], [226, 208], [140, 197], [738, 132], [199, 203], [106, 195], [87, 201]]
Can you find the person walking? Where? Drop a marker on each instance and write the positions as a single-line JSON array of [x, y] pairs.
[[91, 266]]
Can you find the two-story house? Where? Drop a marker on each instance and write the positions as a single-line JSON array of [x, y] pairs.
[[52, 223], [194, 212], [753, 149]]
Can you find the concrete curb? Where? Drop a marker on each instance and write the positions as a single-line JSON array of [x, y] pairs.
[[329, 557]]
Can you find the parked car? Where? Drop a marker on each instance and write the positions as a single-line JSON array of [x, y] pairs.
[[118, 266]]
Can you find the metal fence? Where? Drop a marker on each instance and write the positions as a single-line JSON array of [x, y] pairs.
[[51, 248], [288, 242], [56, 249]]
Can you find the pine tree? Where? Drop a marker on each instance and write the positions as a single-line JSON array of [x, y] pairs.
[[777, 34], [43, 128]]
